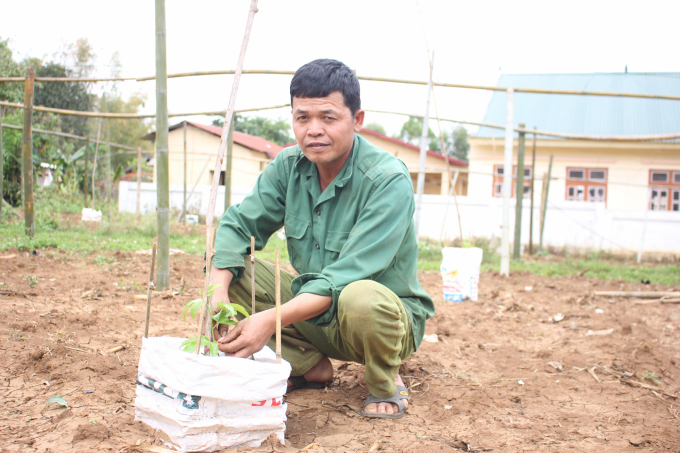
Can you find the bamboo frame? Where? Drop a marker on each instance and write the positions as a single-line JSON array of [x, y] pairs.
[[152, 284], [366, 78], [210, 230], [63, 134], [277, 281], [132, 115], [27, 156], [94, 161], [252, 275]]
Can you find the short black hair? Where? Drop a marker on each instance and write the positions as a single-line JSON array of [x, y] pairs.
[[319, 78]]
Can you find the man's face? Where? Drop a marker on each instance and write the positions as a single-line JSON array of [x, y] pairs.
[[325, 127]]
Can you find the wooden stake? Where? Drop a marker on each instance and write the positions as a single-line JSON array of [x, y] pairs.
[[205, 306], [87, 162], [139, 180], [544, 202], [1, 166], [94, 163], [531, 209], [227, 173], [152, 285], [519, 196], [184, 205], [638, 294], [277, 278], [252, 274], [27, 154]]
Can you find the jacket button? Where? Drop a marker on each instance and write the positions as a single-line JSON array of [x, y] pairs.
[[317, 247], [318, 212]]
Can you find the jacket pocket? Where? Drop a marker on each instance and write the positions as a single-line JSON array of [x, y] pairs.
[[335, 240], [295, 240]]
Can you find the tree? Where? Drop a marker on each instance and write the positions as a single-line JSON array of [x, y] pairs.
[[376, 128], [277, 131], [411, 131], [460, 143]]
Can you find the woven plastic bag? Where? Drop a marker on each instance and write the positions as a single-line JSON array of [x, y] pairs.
[[460, 272], [205, 403]]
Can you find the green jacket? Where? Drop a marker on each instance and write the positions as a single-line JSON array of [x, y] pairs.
[[360, 228]]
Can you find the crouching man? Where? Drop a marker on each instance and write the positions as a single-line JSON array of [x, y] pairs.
[[347, 208]]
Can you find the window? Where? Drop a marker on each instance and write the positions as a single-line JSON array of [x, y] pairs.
[[578, 174], [587, 184], [498, 181], [664, 190]]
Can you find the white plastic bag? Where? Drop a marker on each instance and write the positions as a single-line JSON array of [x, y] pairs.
[[91, 215], [460, 271], [205, 403]]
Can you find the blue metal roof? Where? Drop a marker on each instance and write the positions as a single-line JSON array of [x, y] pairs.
[[591, 115]]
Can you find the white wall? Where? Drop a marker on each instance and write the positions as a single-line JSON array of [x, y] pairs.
[[568, 223]]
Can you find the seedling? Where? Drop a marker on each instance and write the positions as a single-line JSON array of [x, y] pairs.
[[32, 280], [225, 315], [651, 376], [57, 399]]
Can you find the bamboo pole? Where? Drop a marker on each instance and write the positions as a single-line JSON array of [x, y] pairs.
[[87, 162], [638, 294], [94, 162], [519, 196], [162, 166], [205, 307], [139, 181], [507, 184], [277, 279], [134, 115], [544, 202], [109, 170], [210, 214], [27, 155], [62, 134], [366, 78], [184, 204], [252, 274], [531, 204], [424, 146], [227, 173], [2, 175], [151, 287]]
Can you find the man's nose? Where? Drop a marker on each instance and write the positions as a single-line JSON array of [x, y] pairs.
[[315, 128]]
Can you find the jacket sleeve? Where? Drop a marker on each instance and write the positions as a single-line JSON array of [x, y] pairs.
[[371, 246], [260, 215]]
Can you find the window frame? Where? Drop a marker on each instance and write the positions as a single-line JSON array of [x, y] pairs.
[[590, 178], [584, 170]]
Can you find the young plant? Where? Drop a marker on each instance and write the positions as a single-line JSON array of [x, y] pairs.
[[225, 315]]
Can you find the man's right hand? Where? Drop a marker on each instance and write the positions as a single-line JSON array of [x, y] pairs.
[[221, 295]]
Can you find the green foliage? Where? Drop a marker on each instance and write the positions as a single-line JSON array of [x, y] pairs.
[[651, 376], [411, 131], [379, 128], [277, 131], [460, 144], [58, 399], [189, 345], [227, 312], [32, 280], [12, 91]]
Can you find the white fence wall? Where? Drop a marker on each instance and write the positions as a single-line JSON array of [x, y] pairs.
[[568, 223]]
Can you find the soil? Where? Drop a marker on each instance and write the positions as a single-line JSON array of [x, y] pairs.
[[537, 364]]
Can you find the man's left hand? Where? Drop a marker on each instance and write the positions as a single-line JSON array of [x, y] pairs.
[[250, 335]]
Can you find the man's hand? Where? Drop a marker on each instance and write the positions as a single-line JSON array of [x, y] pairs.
[[250, 335], [221, 295]]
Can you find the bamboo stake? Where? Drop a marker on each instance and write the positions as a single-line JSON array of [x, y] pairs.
[[62, 134], [2, 176], [252, 274], [227, 173], [519, 196], [87, 162], [184, 205], [152, 285], [139, 181], [94, 163], [638, 294], [531, 209], [277, 278], [205, 307], [544, 202], [27, 155], [210, 215]]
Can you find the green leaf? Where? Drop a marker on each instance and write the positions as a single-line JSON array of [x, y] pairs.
[[59, 400], [194, 305], [189, 345], [240, 309], [214, 349]]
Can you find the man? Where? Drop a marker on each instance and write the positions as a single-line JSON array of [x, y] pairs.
[[347, 208]]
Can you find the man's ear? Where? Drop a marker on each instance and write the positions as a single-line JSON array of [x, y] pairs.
[[359, 120]]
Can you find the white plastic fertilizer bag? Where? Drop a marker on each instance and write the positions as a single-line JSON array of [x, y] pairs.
[[205, 403], [460, 271]]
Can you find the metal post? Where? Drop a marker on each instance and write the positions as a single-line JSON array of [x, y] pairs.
[[531, 209], [519, 195], [27, 153], [184, 205], [2, 175], [424, 146], [87, 159], [139, 181], [544, 202], [507, 183], [162, 182], [227, 174]]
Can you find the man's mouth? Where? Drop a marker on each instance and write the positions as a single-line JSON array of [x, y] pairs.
[[317, 146]]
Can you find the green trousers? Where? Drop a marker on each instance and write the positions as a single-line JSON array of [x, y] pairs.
[[371, 327]]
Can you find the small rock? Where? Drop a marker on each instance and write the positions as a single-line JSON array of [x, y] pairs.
[[520, 382], [573, 325], [671, 318], [431, 338], [599, 332], [599, 310]]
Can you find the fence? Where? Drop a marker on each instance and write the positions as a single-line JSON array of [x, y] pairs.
[[568, 223]]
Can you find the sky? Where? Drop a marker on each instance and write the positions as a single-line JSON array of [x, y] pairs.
[[473, 43]]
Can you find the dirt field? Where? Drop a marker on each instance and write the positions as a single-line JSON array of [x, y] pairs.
[[503, 376]]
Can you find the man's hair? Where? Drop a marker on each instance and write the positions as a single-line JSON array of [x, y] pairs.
[[322, 77]]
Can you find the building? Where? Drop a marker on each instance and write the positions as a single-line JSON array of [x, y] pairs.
[[624, 176], [250, 155], [436, 171]]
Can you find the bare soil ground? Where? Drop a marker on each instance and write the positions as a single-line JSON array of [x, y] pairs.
[[503, 375]]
